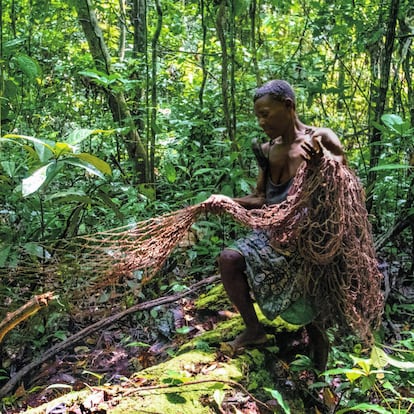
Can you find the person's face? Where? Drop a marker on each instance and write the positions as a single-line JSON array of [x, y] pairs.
[[274, 117]]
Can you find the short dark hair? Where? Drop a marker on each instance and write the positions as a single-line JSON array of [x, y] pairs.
[[278, 89]]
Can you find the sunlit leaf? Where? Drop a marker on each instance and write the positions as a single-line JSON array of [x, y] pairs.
[[364, 407], [63, 148], [82, 164], [278, 397], [218, 396], [387, 167], [170, 172], [99, 164], [36, 250], [378, 357], [29, 138], [78, 135], [183, 330], [32, 183], [59, 386]]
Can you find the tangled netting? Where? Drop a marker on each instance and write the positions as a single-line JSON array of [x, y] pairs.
[[324, 221]]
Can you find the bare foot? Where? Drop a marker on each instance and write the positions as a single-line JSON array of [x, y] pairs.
[[245, 339]]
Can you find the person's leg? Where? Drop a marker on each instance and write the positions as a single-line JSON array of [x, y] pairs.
[[232, 269], [319, 345]]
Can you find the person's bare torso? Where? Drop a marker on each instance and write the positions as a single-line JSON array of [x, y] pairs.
[[284, 158]]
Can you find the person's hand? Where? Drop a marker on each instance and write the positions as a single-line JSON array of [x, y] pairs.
[[312, 150], [215, 202]]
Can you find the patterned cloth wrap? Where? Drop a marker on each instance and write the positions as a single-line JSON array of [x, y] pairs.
[[269, 273]]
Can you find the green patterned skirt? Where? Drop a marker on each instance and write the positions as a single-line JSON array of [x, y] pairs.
[[272, 279]]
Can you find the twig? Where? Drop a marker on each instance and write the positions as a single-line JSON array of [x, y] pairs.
[[28, 309], [8, 387]]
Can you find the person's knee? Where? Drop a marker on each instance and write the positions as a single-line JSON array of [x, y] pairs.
[[231, 259]]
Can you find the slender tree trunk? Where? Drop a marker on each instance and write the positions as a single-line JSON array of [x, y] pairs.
[[117, 102], [203, 54], [122, 30], [379, 93], [227, 67], [220, 26], [154, 99], [141, 72], [253, 18]]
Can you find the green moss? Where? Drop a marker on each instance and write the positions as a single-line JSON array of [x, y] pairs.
[[214, 300]]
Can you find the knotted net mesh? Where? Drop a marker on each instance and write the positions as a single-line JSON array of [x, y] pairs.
[[324, 221]]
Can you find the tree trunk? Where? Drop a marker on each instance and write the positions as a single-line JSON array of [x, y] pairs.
[[154, 99], [203, 54], [253, 15], [117, 102], [380, 82], [227, 67]]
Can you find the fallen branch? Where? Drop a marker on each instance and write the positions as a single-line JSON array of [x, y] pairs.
[[8, 388], [400, 225], [28, 309]]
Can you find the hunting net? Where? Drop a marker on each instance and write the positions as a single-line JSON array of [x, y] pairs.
[[324, 221]]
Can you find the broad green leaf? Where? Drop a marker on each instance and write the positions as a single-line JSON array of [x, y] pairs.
[[78, 135], [364, 363], [216, 386], [365, 408], [137, 344], [32, 183], [183, 330], [36, 250], [10, 89], [378, 357], [29, 138], [108, 202], [9, 167], [43, 152], [403, 365], [78, 162], [28, 66], [278, 397], [170, 173], [203, 171], [99, 164], [218, 396], [391, 119], [338, 371], [62, 148], [4, 253], [387, 167], [354, 374], [70, 197]]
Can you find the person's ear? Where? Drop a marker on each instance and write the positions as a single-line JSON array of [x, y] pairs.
[[289, 103]]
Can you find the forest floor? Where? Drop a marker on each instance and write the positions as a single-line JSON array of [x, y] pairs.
[[171, 359]]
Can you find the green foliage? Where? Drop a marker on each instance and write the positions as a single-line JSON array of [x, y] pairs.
[[376, 384], [61, 185]]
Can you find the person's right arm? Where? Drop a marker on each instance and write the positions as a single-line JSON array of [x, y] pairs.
[[251, 201], [257, 198]]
